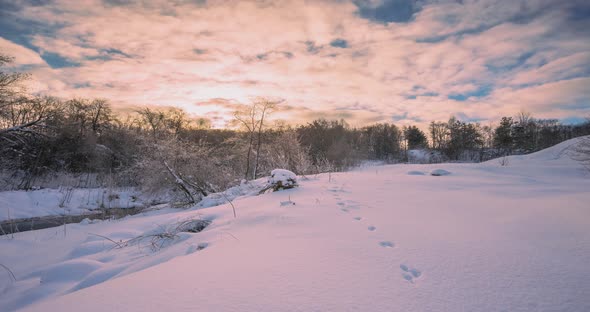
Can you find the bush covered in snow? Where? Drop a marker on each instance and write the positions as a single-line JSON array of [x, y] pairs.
[[281, 179]]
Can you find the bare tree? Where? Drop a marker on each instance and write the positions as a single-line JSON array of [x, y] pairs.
[[100, 114], [26, 116], [288, 153], [158, 122], [153, 120], [247, 117], [177, 120], [265, 106], [252, 118], [438, 134], [523, 117], [9, 81], [18, 113]]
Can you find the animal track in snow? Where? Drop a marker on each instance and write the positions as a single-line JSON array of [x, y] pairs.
[[345, 210], [372, 228], [358, 218], [410, 273], [386, 244]]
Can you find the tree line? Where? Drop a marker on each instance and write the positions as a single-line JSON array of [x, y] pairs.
[[165, 148]]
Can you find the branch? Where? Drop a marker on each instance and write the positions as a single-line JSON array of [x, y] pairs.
[[22, 128], [180, 182]]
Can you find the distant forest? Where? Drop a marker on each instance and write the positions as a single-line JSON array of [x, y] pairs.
[[156, 148]]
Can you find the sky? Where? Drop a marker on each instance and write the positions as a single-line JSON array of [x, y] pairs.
[[367, 61]]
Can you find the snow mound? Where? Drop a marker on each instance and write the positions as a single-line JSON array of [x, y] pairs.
[[282, 179], [439, 172], [558, 151], [284, 176], [69, 271], [416, 173], [561, 152], [245, 189]]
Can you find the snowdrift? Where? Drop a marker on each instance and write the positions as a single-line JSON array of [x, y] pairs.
[[561, 152]]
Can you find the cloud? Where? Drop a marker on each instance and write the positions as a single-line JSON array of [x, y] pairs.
[[555, 99], [23, 56], [374, 60]]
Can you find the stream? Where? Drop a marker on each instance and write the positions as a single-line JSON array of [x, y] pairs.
[[37, 223]]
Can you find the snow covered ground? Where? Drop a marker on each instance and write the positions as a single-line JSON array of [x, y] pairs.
[[486, 237], [50, 202]]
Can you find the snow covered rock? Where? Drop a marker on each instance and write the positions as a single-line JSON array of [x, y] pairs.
[[281, 179], [415, 172], [439, 172]]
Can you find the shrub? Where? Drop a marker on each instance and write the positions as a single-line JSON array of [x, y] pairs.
[[280, 179]]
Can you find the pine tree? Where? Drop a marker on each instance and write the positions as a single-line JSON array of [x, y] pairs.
[[415, 137], [503, 134]]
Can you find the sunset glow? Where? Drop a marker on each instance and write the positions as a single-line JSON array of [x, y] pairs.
[[400, 61]]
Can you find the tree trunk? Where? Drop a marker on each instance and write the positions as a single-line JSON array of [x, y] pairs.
[[249, 155], [258, 146], [181, 184]]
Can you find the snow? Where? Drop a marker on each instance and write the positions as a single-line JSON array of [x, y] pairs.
[[439, 172], [485, 238], [246, 188], [45, 202], [282, 177]]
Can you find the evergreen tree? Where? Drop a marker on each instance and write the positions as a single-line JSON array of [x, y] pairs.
[[415, 137], [503, 134]]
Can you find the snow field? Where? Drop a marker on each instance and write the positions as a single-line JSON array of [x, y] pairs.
[[484, 238]]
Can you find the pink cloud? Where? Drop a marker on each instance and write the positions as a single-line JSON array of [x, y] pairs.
[[186, 54]]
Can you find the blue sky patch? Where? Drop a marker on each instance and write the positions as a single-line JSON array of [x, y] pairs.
[[57, 61], [339, 43], [312, 47], [500, 66], [396, 11], [479, 92]]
